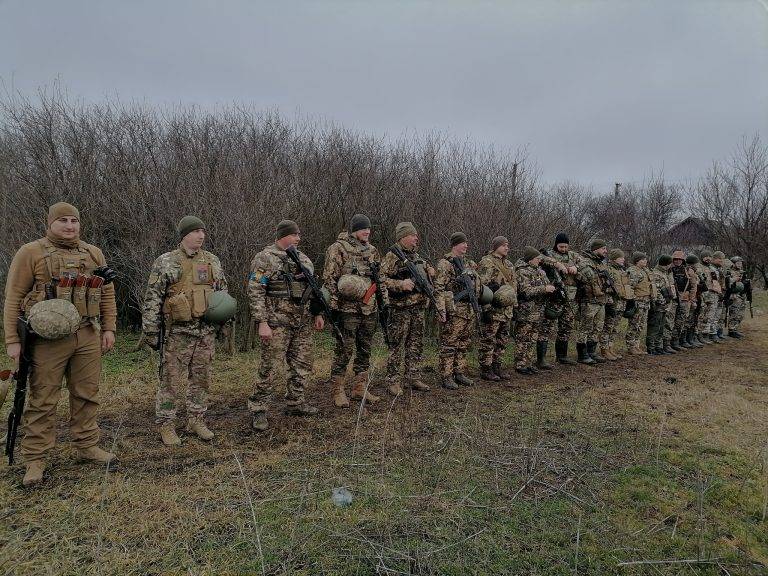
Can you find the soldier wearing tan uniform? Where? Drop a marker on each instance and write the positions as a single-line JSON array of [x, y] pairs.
[[60, 265], [618, 297], [645, 291]]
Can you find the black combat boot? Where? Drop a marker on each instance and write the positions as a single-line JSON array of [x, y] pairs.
[[583, 357], [487, 373], [527, 371], [541, 355], [735, 334], [668, 348], [677, 345], [722, 335], [693, 339], [594, 354], [561, 353]]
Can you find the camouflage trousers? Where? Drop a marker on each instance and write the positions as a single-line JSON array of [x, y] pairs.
[[693, 315], [611, 324], [526, 336], [670, 317], [187, 362], [493, 342], [591, 319], [455, 340], [406, 342], [682, 318], [358, 331], [290, 346], [654, 338], [709, 313], [736, 312], [637, 324], [561, 327]]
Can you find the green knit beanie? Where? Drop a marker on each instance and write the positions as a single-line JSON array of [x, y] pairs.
[[637, 256], [359, 222], [529, 253], [286, 228], [404, 229], [458, 238], [189, 224]]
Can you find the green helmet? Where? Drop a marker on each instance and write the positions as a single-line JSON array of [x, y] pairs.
[[221, 308], [54, 319], [738, 288], [486, 296], [505, 296], [353, 287]]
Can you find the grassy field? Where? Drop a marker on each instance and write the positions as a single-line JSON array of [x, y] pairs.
[[656, 465]]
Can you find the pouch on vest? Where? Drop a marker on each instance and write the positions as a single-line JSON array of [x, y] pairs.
[[64, 288], [179, 308], [202, 280], [78, 295], [93, 297]]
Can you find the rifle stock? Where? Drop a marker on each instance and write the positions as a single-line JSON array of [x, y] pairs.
[[21, 376]]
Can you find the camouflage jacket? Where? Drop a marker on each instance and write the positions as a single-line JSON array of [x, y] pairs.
[[570, 258], [495, 271], [447, 284], [350, 256], [277, 292], [621, 282], [394, 272], [708, 278], [665, 286], [166, 271], [531, 284], [591, 285], [642, 284]]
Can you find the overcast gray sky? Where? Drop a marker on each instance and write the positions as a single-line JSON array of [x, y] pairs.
[[598, 91]]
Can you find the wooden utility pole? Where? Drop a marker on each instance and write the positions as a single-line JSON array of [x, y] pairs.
[[514, 177], [617, 185]]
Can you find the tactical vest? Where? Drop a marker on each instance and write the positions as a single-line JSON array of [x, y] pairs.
[[568, 260], [284, 283], [402, 273], [69, 277], [457, 285], [357, 258], [645, 288], [593, 288], [621, 282], [188, 298]]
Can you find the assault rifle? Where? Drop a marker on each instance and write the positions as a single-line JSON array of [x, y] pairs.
[[468, 292], [21, 376], [317, 294], [560, 295], [383, 308], [420, 282], [748, 294]]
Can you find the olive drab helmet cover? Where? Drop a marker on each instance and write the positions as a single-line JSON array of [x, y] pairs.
[[54, 319], [221, 308]]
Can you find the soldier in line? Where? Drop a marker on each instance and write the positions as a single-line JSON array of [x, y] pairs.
[[691, 263], [498, 273], [665, 293], [407, 311], [178, 290], [645, 291], [591, 298], [560, 328], [348, 277], [61, 265], [711, 291], [278, 297], [738, 299], [685, 282], [532, 287], [455, 307], [616, 305], [721, 266]]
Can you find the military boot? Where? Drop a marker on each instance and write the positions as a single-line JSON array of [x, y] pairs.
[[340, 399], [541, 355], [496, 367], [675, 345], [637, 350], [693, 339], [34, 474], [394, 388], [682, 342], [605, 352], [302, 409], [722, 335], [615, 354], [96, 454], [462, 379], [448, 383], [358, 389], [417, 384], [735, 334], [259, 421], [487, 373], [561, 353], [668, 347], [703, 338], [197, 426], [714, 338], [594, 354], [583, 357], [168, 434], [527, 371]]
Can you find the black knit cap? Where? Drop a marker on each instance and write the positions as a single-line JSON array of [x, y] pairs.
[[691, 259], [458, 238], [665, 260], [561, 238], [359, 222]]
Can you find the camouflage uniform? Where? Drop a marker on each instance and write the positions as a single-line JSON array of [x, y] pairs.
[[710, 298], [645, 291], [616, 303], [561, 328], [693, 299], [456, 331], [670, 311], [406, 316], [496, 271], [591, 298], [357, 320], [738, 301], [189, 342], [278, 295], [658, 308], [531, 286]]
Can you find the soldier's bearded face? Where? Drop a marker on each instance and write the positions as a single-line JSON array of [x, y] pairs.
[[67, 227], [410, 242], [562, 247], [363, 234]]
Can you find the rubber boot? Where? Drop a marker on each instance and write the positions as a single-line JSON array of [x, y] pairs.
[[448, 383], [594, 354], [541, 355], [358, 389], [561, 353], [168, 434], [487, 373], [462, 379], [503, 375], [34, 474], [693, 339], [583, 357], [197, 426], [668, 347], [676, 345], [340, 399]]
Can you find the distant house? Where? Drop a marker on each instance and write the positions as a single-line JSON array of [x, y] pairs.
[[690, 234]]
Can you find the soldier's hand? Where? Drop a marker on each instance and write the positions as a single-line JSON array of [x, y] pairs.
[[441, 317], [265, 332], [319, 322], [572, 270], [549, 288], [561, 267], [14, 351], [107, 341], [407, 285]]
